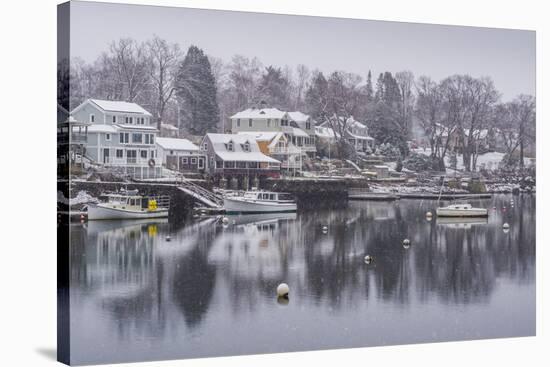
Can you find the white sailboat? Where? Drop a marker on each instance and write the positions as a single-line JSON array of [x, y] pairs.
[[461, 210], [259, 202]]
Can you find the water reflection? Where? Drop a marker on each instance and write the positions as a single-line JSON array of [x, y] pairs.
[[211, 289]]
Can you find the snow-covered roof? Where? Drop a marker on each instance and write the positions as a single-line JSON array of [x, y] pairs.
[[102, 128], [299, 132], [246, 157], [168, 127], [260, 135], [260, 113], [325, 132], [298, 116], [219, 145], [360, 137], [176, 144], [137, 127], [119, 106], [480, 134]]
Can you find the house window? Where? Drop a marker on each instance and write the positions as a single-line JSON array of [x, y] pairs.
[[246, 147], [92, 117], [137, 138], [308, 125], [212, 161], [238, 122], [114, 119], [268, 122], [249, 122], [131, 156], [143, 154], [205, 146], [119, 153], [230, 146], [284, 122], [124, 138], [193, 160], [184, 160], [152, 154], [171, 152], [108, 137], [149, 139]]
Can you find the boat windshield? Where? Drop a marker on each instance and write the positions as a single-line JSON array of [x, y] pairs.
[[285, 197]]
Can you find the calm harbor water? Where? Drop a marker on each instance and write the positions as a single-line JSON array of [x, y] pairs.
[[210, 291]]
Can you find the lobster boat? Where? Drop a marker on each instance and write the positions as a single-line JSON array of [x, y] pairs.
[[256, 202], [129, 205]]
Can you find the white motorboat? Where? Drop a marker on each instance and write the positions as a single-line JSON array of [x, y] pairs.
[[129, 205], [461, 210], [259, 202]]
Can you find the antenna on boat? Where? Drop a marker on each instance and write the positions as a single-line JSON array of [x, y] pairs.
[[442, 178]]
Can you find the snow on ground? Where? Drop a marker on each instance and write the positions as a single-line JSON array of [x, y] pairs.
[[489, 161]]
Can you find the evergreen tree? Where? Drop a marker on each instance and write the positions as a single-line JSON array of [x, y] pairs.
[[196, 91], [368, 88], [379, 95], [316, 96], [274, 88]]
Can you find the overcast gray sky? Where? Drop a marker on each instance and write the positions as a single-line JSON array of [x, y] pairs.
[[507, 56]]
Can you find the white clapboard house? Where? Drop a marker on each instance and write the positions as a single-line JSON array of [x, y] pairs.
[[121, 137]]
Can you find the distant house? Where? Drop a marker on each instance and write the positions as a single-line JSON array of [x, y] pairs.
[[356, 133], [274, 120], [277, 145], [120, 137], [180, 154], [168, 130], [306, 124], [237, 156]]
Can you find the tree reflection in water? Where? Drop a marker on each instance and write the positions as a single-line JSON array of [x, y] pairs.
[[138, 285]]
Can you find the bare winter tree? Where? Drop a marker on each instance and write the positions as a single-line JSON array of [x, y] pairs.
[[515, 122], [470, 102], [244, 78], [405, 81], [430, 112], [343, 101], [162, 60], [129, 62], [302, 78]]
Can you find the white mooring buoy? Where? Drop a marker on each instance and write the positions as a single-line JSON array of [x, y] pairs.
[[506, 226], [225, 220], [429, 214], [406, 243], [324, 229], [368, 259], [283, 290], [168, 238]]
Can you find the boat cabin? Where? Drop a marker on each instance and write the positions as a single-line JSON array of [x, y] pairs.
[[269, 196]]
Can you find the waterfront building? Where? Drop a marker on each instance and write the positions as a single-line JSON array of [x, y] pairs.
[[237, 157], [355, 132], [168, 130], [72, 136], [278, 145], [120, 137], [296, 126], [180, 155]]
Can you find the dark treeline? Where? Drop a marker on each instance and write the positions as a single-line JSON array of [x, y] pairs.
[[198, 93]]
